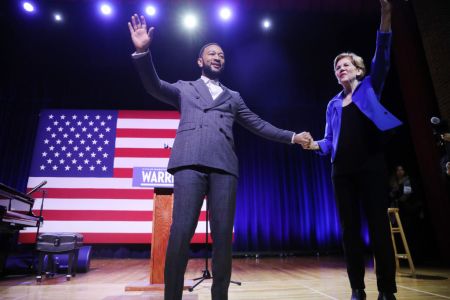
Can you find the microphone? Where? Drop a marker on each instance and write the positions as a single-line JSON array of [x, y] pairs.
[[37, 187], [435, 121]]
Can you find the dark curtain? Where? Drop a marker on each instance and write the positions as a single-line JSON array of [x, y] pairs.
[[285, 200]]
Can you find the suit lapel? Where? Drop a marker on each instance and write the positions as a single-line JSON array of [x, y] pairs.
[[205, 95], [338, 107], [202, 89], [222, 98]]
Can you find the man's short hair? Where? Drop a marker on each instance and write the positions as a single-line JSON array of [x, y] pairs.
[[200, 54]]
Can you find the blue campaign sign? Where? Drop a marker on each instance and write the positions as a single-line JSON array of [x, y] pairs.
[[152, 177]]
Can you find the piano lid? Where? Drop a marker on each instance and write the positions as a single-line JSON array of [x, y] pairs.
[[7, 192]]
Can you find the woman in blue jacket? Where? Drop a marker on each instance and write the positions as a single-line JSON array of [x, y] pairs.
[[355, 120]]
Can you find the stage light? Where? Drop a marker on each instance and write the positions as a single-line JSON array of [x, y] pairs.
[[150, 10], [190, 21], [266, 24], [57, 17], [106, 9], [28, 7], [225, 13]]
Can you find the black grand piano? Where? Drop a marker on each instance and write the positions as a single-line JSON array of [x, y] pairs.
[[15, 214]]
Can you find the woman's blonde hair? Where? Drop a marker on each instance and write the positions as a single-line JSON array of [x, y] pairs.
[[356, 60]]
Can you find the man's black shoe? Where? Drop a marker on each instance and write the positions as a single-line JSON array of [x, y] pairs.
[[386, 296], [358, 295]]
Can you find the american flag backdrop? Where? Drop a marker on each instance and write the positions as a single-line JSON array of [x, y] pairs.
[[87, 158]]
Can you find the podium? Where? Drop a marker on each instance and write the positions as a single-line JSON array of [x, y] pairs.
[[162, 220]]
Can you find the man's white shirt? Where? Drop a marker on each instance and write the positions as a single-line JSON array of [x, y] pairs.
[[213, 86]]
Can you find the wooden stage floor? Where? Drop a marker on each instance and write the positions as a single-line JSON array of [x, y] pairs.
[[264, 278]]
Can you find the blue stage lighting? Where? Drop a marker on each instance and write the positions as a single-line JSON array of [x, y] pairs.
[[106, 9], [28, 7], [225, 13], [266, 24], [57, 17], [190, 21], [150, 10]]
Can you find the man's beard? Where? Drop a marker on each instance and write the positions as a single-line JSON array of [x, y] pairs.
[[210, 73]]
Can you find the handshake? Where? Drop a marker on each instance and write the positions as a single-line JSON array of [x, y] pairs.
[[306, 141]]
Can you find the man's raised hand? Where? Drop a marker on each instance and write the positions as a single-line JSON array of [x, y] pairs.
[[139, 35]]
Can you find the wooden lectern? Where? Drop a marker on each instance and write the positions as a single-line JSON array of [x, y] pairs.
[[162, 220]]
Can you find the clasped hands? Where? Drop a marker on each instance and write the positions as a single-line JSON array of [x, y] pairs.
[[305, 140]]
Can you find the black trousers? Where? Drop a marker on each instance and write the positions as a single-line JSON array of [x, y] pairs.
[[366, 189], [191, 185]]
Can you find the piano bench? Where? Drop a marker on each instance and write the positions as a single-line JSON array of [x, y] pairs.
[[51, 244]]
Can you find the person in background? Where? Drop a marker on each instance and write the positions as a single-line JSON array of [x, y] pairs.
[[400, 187], [404, 196], [445, 161]]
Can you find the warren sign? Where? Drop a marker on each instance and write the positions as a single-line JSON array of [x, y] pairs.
[[152, 177]]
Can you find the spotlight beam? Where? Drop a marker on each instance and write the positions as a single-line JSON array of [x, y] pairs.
[[190, 21]]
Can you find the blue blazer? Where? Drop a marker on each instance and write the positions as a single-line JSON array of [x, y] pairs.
[[366, 97], [205, 133]]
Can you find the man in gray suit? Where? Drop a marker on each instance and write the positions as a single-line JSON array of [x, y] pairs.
[[203, 160]]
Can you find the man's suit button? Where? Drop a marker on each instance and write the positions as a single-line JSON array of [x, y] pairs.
[[221, 130], [201, 126], [221, 116], [197, 97]]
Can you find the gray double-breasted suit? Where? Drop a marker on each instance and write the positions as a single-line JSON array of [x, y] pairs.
[[204, 162]]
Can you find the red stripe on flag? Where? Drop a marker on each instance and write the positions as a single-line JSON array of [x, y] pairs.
[[145, 133], [149, 114], [123, 172], [115, 238], [74, 193], [100, 215], [140, 152]]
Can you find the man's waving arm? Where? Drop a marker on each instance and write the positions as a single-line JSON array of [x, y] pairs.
[[142, 59]]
